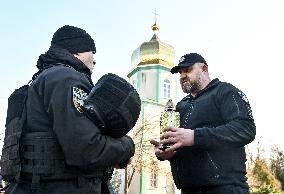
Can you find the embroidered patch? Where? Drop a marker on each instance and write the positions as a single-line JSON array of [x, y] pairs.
[[79, 97]]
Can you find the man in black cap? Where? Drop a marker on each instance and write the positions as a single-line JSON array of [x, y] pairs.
[[62, 150], [208, 154]]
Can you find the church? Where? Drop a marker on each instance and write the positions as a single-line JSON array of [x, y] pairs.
[[150, 74]]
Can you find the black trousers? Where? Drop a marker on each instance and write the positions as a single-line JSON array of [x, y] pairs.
[[224, 189]]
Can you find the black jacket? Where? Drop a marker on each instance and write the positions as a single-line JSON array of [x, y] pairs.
[[221, 118], [51, 106]]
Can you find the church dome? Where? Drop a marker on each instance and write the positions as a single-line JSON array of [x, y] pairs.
[[154, 52]]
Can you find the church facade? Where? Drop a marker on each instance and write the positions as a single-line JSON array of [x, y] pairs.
[[150, 75]]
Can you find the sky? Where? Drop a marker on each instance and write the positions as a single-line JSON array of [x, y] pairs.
[[242, 42]]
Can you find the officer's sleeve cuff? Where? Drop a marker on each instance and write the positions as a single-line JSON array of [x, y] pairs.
[[199, 138]]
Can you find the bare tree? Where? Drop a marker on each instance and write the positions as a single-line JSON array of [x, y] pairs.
[[277, 164], [144, 151]]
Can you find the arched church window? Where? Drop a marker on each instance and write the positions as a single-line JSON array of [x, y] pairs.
[[167, 89]]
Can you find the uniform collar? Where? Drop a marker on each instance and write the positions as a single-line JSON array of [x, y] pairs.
[[211, 84], [57, 55]]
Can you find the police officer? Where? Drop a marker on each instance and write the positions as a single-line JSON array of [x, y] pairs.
[[208, 154], [62, 150]]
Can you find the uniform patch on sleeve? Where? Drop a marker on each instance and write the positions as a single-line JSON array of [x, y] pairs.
[[79, 97]]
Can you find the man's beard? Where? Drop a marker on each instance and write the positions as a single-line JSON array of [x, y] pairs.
[[191, 86]]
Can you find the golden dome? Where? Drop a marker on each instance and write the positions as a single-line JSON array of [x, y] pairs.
[[154, 52], [155, 27]]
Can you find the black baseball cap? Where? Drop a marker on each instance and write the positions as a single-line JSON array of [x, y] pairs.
[[188, 60]]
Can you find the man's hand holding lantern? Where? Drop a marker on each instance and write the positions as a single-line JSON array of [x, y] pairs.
[[177, 137]]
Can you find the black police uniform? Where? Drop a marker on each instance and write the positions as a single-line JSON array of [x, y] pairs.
[[63, 151], [221, 118]]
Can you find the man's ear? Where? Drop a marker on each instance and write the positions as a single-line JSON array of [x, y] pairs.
[[205, 68], [76, 54]]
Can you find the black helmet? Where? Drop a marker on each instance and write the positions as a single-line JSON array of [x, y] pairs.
[[114, 105]]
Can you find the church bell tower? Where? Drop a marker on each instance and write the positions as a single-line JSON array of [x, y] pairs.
[[150, 74]]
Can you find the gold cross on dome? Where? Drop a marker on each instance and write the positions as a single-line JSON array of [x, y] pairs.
[[155, 13]]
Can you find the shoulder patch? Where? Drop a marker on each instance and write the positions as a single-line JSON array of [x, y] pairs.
[[79, 97]]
